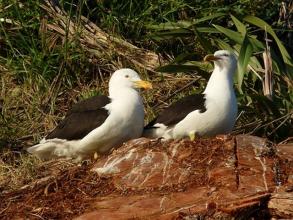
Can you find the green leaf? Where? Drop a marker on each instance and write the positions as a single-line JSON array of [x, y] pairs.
[[277, 61], [239, 25], [233, 35], [257, 45], [210, 17], [203, 41], [255, 66], [209, 30], [265, 26], [223, 45], [183, 57], [171, 34], [177, 68], [243, 60], [183, 24], [170, 25], [204, 66]]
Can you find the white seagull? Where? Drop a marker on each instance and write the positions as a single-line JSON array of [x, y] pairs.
[[100, 123], [211, 113]]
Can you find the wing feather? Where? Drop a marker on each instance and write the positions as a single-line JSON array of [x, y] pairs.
[[179, 110], [82, 118]]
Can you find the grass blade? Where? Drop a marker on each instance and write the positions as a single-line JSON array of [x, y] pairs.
[[233, 35], [171, 34], [169, 25], [243, 60], [209, 30], [210, 17], [203, 41], [223, 45], [265, 26], [182, 24], [239, 25]]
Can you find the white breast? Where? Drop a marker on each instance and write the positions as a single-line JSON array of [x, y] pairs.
[[125, 121]]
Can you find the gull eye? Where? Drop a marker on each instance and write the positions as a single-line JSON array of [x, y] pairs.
[[225, 55], [126, 76]]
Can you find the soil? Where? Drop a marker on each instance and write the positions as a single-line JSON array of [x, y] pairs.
[[61, 196]]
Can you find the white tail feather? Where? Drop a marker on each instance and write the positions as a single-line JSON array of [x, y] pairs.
[[52, 148], [159, 130]]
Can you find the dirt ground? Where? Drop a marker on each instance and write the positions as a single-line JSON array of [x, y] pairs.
[[61, 196]]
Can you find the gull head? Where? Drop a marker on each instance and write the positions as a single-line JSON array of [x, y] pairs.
[[127, 78], [223, 59]]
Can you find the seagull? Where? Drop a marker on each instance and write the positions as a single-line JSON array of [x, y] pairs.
[[100, 123], [208, 114]]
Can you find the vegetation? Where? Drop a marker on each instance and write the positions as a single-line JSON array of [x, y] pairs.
[[45, 66]]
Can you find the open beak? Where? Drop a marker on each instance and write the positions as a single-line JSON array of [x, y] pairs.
[[142, 84], [211, 57]]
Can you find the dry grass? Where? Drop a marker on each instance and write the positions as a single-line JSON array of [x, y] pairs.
[[17, 169], [93, 39]]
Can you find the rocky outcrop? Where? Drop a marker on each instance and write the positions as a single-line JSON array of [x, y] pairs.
[[222, 178]]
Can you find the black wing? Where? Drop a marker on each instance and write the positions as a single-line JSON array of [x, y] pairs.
[[178, 110], [82, 118]]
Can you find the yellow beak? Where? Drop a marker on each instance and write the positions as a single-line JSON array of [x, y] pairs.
[[142, 84], [211, 57]]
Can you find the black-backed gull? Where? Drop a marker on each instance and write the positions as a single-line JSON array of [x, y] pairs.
[[100, 123], [211, 113]]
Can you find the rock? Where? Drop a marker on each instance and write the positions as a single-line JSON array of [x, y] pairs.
[[281, 204], [281, 201], [216, 178]]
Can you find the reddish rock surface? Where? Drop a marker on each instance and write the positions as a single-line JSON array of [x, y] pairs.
[[224, 177], [281, 201], [167, 180]]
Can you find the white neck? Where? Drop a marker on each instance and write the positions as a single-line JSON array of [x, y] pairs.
[[124, 94], [126, 108], [221, 81]]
